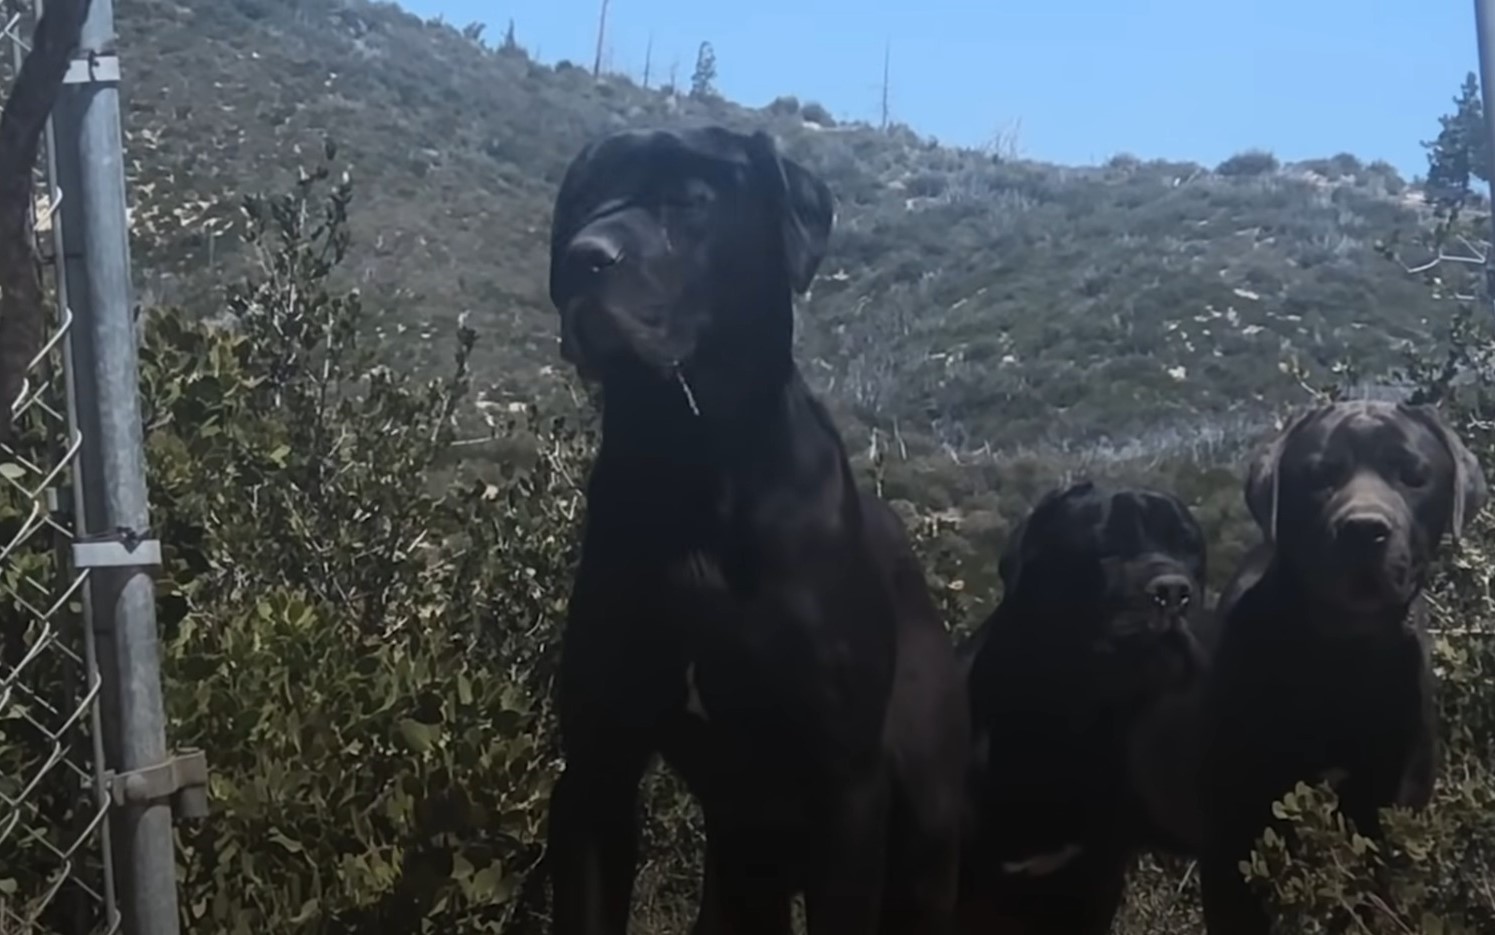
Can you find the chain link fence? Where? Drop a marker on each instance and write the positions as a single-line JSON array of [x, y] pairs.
[[54, 872]]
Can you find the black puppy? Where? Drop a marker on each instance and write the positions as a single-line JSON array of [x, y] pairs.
[[1095, 628], [739, 606], [1322, 668]]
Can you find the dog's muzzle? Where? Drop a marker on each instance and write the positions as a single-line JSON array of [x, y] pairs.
[[1362, 537], [1369, 557], [1171, 593], [1169, 599], [589, 336], [589, 333]]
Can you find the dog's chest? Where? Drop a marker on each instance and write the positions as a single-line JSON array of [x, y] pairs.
[[752, 666], [743, 655], [1329, 706]]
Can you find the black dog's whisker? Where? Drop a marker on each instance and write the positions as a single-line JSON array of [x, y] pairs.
[[690, 398]]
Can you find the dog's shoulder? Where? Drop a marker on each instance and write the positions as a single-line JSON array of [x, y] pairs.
[[1247, 576]]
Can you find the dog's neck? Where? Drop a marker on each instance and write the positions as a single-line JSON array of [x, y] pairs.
[[1361, 625], [679, 453]]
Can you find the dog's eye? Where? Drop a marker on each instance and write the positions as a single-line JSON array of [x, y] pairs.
[[692, 195], [1414, 475], [1320, 474]]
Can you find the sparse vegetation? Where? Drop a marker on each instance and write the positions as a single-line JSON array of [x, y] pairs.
[[360, 607], [703, 79], [1252, 162]]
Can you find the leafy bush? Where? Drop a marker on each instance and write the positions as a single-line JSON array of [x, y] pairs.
[[786, 105], [1249, 163], [361, 639], [815, 112]]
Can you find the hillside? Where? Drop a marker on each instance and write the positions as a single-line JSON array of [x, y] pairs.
[[972, 299]]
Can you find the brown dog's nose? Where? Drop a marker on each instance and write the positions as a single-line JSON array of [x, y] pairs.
[[1171, 592], [1365, 534], [590, 254]]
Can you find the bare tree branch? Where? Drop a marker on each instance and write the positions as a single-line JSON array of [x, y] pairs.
[[22, 307]]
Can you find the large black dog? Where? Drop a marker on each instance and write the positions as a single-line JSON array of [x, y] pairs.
[[1102, 589], [739, 606], [1322, 668]]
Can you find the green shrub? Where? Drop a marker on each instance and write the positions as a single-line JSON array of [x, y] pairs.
[[815, 112], [359, 637], [1252, 162]]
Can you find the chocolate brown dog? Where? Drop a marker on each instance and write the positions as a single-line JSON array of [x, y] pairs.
[[739, 605], [1322, 668]]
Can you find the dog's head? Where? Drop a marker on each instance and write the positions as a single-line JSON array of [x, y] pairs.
[[1124, 567], [1355, 496], [677, 250]]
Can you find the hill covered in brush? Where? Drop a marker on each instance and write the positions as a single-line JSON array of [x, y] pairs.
[[971, 300]]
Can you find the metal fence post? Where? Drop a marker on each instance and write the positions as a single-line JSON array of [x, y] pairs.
[[1484, 33], [110, 497]]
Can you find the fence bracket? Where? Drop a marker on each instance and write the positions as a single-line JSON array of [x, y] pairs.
[[121, 549], [93, 67], [181, 777]]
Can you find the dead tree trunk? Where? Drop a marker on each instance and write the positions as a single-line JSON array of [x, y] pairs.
[[23, 317]]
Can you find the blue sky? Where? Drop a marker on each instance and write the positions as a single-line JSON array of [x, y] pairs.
[[1085, 80]]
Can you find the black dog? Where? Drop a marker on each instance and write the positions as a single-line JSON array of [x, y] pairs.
[[1094, 630], [739, 606], [1322, 669]]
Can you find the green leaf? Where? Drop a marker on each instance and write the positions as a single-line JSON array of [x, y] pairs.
[[289, 844], [419, 737], [12, 471], [485, 883], [308, 909], [461, 867], [464, 688]]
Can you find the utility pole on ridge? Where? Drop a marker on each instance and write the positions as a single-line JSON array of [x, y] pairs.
[[601, 35]]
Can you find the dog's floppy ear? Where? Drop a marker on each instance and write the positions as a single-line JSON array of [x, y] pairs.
[[1263, 478], [1470, 491], [1014, 553], [562, 215], [1010, 563], [805, 206]]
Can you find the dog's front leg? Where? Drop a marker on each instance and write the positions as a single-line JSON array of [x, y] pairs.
[[744, 891], [593, 844], [1230, 907], [845, 894]]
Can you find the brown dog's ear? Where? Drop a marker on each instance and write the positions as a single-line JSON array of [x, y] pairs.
[[1262, 478], [1470, 491], [804, 203]]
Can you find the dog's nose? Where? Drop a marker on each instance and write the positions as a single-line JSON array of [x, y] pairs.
[[590, 254], [1172, 592], [1364, 533]]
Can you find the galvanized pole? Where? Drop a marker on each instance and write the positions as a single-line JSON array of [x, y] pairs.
[[1484, 27], [110, 490]]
